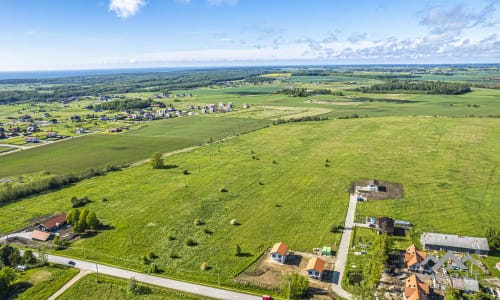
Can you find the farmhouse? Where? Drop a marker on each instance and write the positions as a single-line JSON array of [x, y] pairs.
[[414, 258], [315, 268], [415, 289], [450, 242], [40, 235], [53, 223], [279, 252]]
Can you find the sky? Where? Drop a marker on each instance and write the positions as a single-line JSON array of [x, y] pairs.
[[106, 34]]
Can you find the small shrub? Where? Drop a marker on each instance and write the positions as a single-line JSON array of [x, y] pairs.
[[152, 255], [105, 200], [145, 260], [186, 172], [208, 231], [197, 222], [275, 162], [173, 255], [234, 222], [277, 205], [171, 237], [223, 190], [191, 242], [261, 183]]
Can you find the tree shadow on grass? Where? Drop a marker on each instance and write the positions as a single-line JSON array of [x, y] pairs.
[[245, 254]]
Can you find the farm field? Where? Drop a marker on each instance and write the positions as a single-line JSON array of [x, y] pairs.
[[41, 283], [296, 199], [114, 288], [99, 150]]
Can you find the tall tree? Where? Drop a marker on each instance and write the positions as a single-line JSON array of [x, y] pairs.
[[157, 160], [92, 221]]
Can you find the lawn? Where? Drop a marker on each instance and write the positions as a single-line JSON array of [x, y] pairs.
[[279, 189], [41, 283], [114, 288], [99, 150]]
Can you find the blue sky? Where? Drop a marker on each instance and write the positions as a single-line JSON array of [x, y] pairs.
[[89, 34]]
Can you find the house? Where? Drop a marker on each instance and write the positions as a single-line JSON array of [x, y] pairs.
[[51, 134], [457, 243], [414, 258], [385, 225], [279, 252], [315, 268], [415, 289], [466, 285], [53, 223], [80, 130], [31, 139], [372, 185], [39, 235]]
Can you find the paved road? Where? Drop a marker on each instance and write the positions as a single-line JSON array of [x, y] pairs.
[[24, 234], [154, 280], [69, 284], [343, 249]]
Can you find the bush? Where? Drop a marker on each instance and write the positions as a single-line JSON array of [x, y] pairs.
[[171, 237], [198, 222], [173, 255], [223, 190], [191, 242]]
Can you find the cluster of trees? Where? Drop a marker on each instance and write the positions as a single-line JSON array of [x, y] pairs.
[[13, 192], [11, 257], [82, 220], [427, 87], [79, 202], [294, 286], [303, 92], [55, 89], [301, 119]]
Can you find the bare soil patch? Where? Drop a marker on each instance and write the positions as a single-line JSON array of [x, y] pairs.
[[386, 190], [266, 273]]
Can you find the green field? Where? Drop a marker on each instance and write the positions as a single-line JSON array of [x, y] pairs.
[[114, 288], [99, 150], [296, 199], [41, 283]]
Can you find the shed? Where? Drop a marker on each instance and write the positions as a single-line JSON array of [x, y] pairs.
[[40, 235], [315, 267], [465, 284]]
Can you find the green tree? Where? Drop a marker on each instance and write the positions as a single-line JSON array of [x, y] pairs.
[[73, 216], [294, 286], [9, 256], [153, 268], [493, 236], [92, 221], [7, 275], [28, 258], [157, 160]]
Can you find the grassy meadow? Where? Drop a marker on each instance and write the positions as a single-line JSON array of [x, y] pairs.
[[279, 189], [113, 288], [41, 283]]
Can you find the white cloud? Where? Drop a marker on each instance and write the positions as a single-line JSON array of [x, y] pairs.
[[126, 8], [221, 2]]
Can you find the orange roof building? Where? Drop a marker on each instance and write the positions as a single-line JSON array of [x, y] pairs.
[[279, 252], [315, 267], [40, 235], [54, 223], [415, 289], [414, 257]]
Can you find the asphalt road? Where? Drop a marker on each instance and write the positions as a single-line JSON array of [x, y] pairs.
[[154, 280], [343, 249]]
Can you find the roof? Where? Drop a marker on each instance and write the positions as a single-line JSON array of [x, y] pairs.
[[316, 264], [451, 240], [40, 235], [449, 257], [402, 222], [55, 221], [415, 289], [372, 182], [280, 248], [413, 255]]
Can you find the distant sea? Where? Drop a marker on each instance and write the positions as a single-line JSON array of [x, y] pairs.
[[72, 73]]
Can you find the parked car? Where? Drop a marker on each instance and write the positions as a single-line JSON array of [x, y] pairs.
[[71, 263], [266, 297]]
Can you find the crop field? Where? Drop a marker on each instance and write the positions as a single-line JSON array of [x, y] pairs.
[[279, 189], [99, 150], [113, 288]]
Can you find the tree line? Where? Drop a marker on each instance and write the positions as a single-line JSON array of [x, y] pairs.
[[303, 92], [426, 87]]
